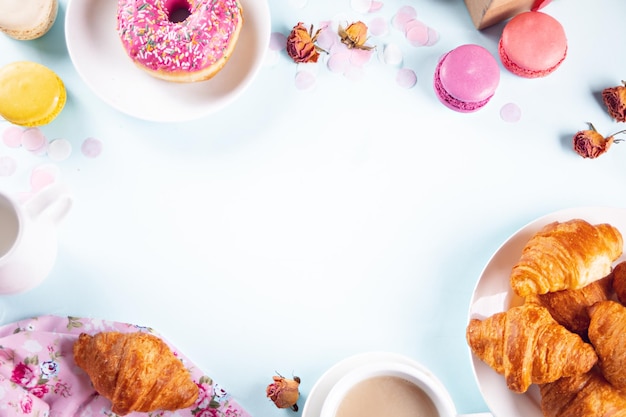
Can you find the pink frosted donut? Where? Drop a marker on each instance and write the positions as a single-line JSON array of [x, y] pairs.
[[179, 40]]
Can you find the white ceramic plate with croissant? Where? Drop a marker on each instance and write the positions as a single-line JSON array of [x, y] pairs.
[[493, 294]]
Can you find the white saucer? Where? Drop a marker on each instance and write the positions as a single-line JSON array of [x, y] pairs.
[[99, 58], [319, 392]]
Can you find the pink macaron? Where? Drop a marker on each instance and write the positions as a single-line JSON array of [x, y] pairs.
[[533, 44], [466, 78]]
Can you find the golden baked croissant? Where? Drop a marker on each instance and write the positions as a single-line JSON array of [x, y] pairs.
[[136, 371], [585, 395], [607, 333], [619, 281], [566, 255], [526, 345], [569, 307]]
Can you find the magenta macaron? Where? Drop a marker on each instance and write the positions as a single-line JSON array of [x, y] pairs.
[[466, 78], [533, 44]]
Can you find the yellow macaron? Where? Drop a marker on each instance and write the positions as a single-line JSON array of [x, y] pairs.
[[31, 94]]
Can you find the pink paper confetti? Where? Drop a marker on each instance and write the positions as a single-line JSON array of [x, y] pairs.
[[12, 136], [511, 113], [337, 48], [327, 39], [360, 57], [378, 26], [305, 80], [404, 15], [433, 37], [278, 41], [33, 139], [43, 176], [91, 148], [348, 62], [338, 62], [406, 78], [8, 166], [376, 6], [416, 32]]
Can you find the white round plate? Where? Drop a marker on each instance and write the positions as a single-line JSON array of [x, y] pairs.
[[99, 58], [493, 294], [319, 392]]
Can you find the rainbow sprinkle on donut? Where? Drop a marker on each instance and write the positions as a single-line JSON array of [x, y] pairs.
[[154, 41]]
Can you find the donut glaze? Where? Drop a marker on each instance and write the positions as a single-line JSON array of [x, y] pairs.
[[190, 50]]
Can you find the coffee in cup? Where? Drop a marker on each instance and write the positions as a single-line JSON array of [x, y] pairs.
[[388, 388], [386, 395]]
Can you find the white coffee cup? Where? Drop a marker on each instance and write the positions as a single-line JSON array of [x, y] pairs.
[[28, 240], [429, 394]]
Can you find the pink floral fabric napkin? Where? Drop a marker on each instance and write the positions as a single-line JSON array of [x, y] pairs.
[[38, 376]]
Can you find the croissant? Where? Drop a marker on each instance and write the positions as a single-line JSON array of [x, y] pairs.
[[569, 307], [136, 371], [584, 395], [607, 333], [566, 255], [619, 281], [526, 345]]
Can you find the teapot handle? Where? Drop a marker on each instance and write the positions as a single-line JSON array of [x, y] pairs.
[[52, 202]]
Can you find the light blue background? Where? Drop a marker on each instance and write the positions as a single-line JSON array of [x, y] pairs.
[[296, 228]]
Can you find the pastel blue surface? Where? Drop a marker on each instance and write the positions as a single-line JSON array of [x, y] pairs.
[[295, 228]]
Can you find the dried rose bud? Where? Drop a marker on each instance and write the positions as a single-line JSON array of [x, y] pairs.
[[615, 100], [354, 36], [591, 144], [301, 44], [284, 392]]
